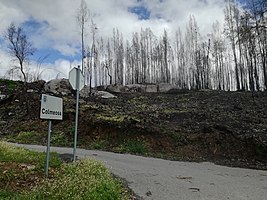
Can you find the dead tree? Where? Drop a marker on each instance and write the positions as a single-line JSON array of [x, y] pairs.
[[19, 47]]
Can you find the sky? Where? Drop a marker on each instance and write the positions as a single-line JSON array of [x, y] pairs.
[[52, 28]]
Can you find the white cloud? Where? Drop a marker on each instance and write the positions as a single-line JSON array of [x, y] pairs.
[[4, 63], [47, 71], [59, 30], [59, 69], [10, 12]]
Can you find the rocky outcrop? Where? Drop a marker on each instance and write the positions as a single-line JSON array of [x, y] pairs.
[[63, 87], [148, 88], [104, 95], [165, 87], [58, 86], [116, 88], [85, 92], [151, 88], [141, 88]]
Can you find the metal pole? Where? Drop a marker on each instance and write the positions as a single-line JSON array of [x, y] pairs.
[[48, 147], [77, 113]]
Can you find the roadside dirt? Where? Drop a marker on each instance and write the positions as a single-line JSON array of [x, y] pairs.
[[227, 128]]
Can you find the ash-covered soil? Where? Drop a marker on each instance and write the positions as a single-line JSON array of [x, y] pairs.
[[228, 128]]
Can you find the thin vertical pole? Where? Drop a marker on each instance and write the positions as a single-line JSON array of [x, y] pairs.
[[48, 147], [77, 113]]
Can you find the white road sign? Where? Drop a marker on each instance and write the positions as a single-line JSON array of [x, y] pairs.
[[51, 108], [74, 76]]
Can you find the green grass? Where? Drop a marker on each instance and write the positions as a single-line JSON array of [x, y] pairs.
[[99, 144], [58, 138], [132, 146], [26, 137], [11, 154], [11, 85], [87, 179]]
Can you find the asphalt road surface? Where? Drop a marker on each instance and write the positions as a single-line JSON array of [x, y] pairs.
[[159, 179]]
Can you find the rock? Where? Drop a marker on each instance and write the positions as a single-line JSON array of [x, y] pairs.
[[104, 95], [133, 88], [165, 87], [85, 92], [139, 88], [151, 88], [10, 113], [2, 96], [116, 88], [58, 86], [31, 91]]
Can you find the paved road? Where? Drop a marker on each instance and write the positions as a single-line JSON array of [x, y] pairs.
[[159, 179]]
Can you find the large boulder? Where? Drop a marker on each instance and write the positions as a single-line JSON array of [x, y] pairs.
[[165, 87], [85, 92], [151, 88], [104, 95], [58, 86], [141, 88], [116, 88], [148, 88], [133, 88]]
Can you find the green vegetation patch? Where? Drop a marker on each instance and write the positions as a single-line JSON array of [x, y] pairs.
[[178, 139], [11, 85], [99, 144], [58, 138], [26, 137], [140, 102], [22, 169], [115, 118], [132, 146], [86, 179], [10, 154], [20, 178]]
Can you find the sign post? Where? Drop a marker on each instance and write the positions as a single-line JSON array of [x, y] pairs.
[[51, 109], [76, 80], [48, 147]]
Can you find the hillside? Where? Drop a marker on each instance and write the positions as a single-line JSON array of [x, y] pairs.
[[228, 128]]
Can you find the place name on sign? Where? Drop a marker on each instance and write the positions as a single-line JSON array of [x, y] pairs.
[[51, 108], [50, 112]]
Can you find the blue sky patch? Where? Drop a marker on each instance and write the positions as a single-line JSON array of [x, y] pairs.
[[31, 26], [53, 55], [142, 12]]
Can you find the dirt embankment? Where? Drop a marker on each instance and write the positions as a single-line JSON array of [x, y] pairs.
[[228, 128]]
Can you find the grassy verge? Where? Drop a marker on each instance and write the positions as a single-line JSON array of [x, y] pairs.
[[22, 177]]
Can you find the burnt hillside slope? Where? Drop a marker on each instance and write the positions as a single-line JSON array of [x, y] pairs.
[[228, 128]]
